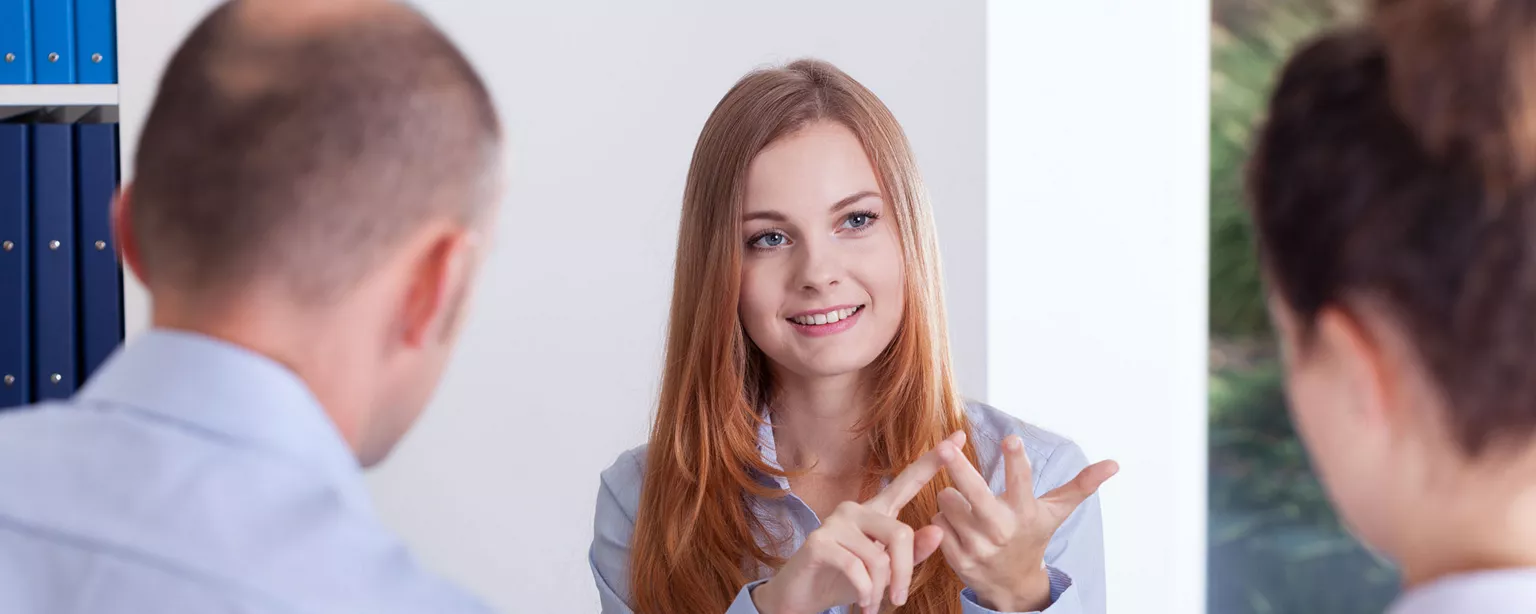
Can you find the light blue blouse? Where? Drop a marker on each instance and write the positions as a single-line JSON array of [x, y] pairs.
[[1075, 556], [1503, 591]]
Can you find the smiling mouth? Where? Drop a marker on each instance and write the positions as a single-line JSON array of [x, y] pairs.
[[825, 318]]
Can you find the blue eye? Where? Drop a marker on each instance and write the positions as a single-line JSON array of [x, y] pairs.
[[769, 240], [859, 220]]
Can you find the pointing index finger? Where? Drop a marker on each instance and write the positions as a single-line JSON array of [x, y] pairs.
[[912, 479]]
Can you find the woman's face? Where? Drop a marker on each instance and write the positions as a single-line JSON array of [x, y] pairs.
[[822, 279]]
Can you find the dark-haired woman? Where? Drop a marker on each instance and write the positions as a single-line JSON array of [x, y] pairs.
[[1394, 195]]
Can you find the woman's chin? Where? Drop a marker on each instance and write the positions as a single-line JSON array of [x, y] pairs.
[[827, 366]]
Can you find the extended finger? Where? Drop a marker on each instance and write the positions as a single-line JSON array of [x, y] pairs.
[[1067, 497], [1020, 476], [985, 506], [912, 479], [963, 525]]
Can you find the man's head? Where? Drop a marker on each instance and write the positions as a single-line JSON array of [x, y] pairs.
[[315, 181]]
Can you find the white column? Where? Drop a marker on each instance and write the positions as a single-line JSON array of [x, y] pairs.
[[1097, 115]]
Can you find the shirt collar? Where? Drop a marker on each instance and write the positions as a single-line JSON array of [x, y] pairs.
[[229, 390], [1490, 592], [769, 452]]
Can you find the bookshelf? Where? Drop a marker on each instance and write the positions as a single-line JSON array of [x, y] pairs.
[[70, 159], [69, 102], [74, 95]]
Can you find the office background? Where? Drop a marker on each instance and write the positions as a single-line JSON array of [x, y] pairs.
[[1064, 144], [60, 283]]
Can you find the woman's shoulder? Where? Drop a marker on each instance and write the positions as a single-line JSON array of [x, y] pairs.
[[613, 527], [990, 426], [621, 481], [1053, 458]]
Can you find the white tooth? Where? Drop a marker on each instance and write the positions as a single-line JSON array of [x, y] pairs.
[[833, 317], [802, 320], [848, 312], [821, 318]]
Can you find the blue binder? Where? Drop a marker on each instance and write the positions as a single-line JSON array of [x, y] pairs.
[[101, 293], [53, 41], [95, 41], [53, 261], [15, 41], [15, 268]]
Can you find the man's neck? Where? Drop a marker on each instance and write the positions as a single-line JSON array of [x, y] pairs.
[[297, 341], [814, 423]]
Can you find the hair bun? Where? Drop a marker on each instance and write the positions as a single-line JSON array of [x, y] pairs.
[[1462, 75]]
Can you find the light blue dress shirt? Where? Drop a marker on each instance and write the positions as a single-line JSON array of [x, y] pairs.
[[1075, 556], [191, 475], [1506, 591]]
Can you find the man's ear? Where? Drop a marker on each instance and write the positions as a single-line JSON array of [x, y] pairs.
[[437, 283], [123, 233], [1365, 372]]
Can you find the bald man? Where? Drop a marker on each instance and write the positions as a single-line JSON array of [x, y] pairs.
[[314, 184]]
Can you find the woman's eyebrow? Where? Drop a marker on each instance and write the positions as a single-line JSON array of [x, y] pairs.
[[775, 216]]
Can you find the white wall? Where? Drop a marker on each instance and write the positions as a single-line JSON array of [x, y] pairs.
[[603, 101], [1096, 259]]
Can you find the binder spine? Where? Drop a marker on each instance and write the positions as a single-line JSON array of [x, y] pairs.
[[53, 262], [101, 308], [53, 41], [15, 267], [15, 41], [95, 41]]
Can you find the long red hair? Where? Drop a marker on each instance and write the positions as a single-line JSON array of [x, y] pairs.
[[696, 538]]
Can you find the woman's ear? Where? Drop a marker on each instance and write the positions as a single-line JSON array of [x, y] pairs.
[[1363, 373]]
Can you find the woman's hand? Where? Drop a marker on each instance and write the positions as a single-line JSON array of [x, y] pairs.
[[861, 549], [997, 544]]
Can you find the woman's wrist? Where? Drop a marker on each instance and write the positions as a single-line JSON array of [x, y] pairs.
[[1031, 593], [765, 599]]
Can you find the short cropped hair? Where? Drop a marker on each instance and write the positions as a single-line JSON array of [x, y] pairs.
[[301, 157]]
